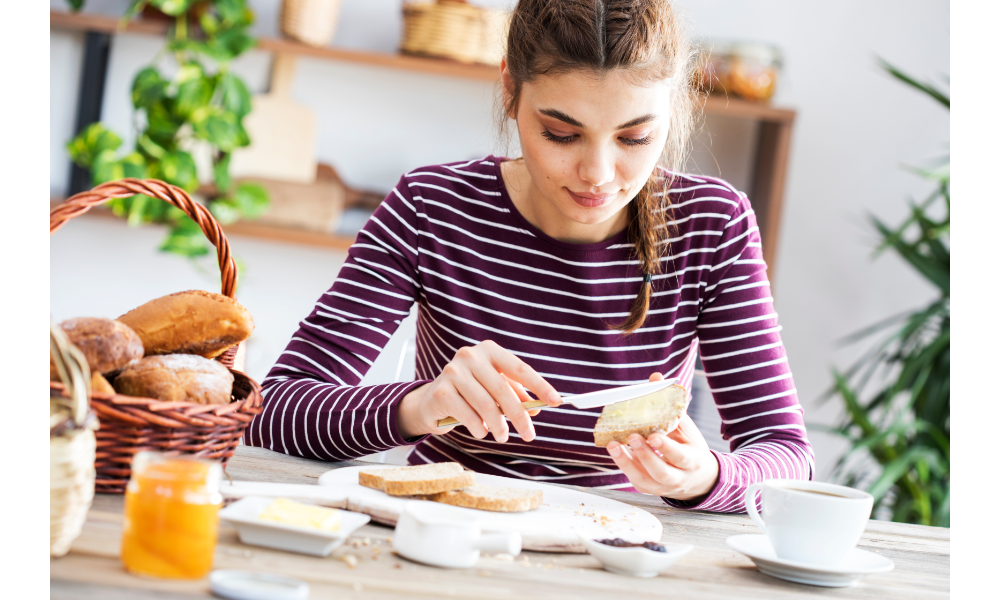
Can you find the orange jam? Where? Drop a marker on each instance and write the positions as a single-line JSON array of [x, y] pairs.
[[171, 516]]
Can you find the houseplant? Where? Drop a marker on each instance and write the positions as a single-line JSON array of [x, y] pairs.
[[904, 425], [203, 102]]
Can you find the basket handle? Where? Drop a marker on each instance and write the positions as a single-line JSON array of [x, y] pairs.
[[123, 188]]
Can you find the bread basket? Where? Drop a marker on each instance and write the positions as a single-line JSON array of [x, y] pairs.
[[129, 424], [447, 28], [71, 446]]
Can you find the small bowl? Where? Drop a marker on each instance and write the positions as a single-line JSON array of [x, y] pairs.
[[244, 515], [635, 561]]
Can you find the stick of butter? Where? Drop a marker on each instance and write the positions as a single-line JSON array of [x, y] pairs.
[[290, 512]]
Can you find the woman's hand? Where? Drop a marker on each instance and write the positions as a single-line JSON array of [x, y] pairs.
[[678, 465], [479, 387]]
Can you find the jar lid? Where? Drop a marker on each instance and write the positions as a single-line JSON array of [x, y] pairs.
[[253, 585], [765, 54]]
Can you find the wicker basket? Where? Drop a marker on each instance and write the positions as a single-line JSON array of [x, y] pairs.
[[130, 425], [311, 22], [445, 28], [71, 446]]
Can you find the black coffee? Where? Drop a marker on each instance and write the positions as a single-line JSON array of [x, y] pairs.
[[820, 493]]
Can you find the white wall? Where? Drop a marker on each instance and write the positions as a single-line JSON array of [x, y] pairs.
[[855, 128]]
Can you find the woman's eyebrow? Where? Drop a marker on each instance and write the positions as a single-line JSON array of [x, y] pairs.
[[557, 114]]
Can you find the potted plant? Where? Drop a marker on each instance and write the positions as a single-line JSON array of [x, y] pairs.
[[904, 426], [203, 103]]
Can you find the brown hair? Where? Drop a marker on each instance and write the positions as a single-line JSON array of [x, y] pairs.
[[642, 38]]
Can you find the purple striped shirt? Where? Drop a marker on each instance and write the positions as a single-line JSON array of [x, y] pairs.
[[449, 238]]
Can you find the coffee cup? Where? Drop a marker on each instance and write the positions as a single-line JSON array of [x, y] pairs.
[[445, 536], [808, 521]]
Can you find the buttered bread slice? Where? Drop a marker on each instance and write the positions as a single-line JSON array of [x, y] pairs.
[[643, 415], [417, 480]]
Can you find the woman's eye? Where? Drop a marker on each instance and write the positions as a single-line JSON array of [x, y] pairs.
[[636, 141], [559, 139]]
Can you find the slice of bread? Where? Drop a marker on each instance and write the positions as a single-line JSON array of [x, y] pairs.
[[417, 480], [492, 498], [643, 415]]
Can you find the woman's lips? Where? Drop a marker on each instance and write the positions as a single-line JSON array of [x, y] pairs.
[[590, 200]]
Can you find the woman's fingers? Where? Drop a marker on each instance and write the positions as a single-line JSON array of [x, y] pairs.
[[459, 408], [518, 370], [675, 452], [499, 388], [632, 469], [656, 377], [477, 398], [655, 466]]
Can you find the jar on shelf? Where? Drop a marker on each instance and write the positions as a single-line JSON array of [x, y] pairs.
[[171, 516], [752, 70]]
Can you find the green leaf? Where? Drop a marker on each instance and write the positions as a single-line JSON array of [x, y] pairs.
[[173, 7], [134, 8], [231, 11], [185, 238], [235, 41], [84, 148], [180, 170], [162, 124], [194, 89], [235, 95], [251, 199], [75, 4], [209, 23], [150, 148], [221, 171], [927, 88], [219, 127], [148, 87], [106, 167], [225, 211]]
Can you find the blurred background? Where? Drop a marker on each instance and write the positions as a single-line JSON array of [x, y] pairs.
[[803, 118]]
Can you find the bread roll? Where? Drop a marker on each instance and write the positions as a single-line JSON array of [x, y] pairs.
[[177, 378], [107, 345], [99, 384], [192, 322]]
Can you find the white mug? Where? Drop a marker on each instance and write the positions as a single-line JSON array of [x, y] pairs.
[[445, 536], [809, 521]]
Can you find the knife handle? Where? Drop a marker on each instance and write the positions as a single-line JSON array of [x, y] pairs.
[[527, 406]]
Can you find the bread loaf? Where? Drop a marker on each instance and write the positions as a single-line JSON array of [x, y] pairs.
[[107, 345], [192, 322], [660, 410], [417, 480], [177, 378], [492, 498], [99, 384]]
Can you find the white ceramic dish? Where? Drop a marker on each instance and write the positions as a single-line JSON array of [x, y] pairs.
[[550, 528], [637, 561], [244, 514], [857, 564], [234, 584], [445, 536]]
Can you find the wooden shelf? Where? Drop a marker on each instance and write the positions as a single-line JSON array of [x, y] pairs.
[[730, 107]]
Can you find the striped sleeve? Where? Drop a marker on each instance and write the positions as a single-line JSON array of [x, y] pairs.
[[313, 406], [747, 370]]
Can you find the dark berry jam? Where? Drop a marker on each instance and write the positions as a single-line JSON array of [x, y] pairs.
[[620, 543]]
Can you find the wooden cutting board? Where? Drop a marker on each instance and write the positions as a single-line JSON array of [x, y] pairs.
[[550, 528], [282, 132]]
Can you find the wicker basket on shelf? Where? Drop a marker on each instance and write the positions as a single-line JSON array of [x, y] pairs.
[[71, 445], [129, 424], [311, 22], [446, 28]]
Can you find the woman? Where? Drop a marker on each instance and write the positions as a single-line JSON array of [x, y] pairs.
[[587, 263]]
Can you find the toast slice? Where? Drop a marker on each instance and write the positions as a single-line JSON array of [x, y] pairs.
[[417, 480], [643, 415], [492, 498]]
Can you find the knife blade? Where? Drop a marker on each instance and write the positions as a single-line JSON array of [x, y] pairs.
[[592, 399]]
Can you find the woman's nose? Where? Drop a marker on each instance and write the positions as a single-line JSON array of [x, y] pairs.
[[597, 167]]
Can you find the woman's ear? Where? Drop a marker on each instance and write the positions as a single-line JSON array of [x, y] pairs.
[[507, 87]]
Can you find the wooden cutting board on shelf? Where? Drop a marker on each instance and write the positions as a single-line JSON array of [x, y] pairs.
[[550, 528], [282, 132]]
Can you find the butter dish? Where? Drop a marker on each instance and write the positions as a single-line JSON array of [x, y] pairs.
[[244, 515]]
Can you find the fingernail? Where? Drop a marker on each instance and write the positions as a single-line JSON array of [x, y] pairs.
[[554, 396], [635, 442], [614, 450], [655, 441]]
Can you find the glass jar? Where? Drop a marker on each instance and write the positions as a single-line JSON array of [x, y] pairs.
[[171, 516], [753, 70]]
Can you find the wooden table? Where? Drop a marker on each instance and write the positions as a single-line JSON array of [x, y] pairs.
[[92, 569]]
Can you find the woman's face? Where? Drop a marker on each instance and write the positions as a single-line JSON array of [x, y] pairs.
[[589, 144]]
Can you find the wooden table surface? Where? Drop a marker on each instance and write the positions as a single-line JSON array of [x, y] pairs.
[[92, 569]]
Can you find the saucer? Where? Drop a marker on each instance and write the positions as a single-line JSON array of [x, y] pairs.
[[857, 564]]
